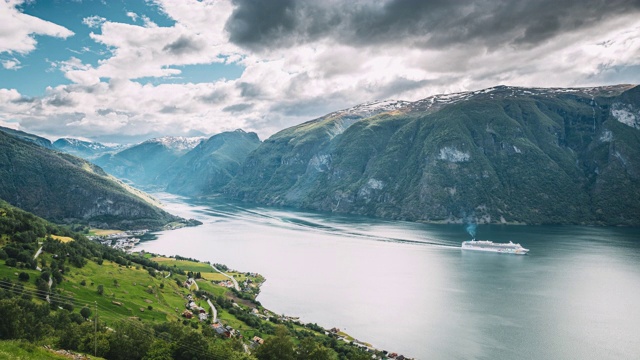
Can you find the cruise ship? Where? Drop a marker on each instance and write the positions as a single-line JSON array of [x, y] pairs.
[[485, 245]]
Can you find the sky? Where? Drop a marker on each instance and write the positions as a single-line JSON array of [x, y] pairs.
[[120, 71]]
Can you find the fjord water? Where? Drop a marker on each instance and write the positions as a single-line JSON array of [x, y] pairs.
[[408, 288]]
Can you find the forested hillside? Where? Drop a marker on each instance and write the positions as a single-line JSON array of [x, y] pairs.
[[500, 155], [64, 188]]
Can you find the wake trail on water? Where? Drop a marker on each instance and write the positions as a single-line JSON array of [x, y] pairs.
[[287, 220]]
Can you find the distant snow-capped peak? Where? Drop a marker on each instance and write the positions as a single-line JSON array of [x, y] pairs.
[[373, 107], [178, 142]]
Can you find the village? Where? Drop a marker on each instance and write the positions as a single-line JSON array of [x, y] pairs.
[[124, 240]]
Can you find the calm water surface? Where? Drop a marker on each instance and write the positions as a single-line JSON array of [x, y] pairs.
[[408, 288]]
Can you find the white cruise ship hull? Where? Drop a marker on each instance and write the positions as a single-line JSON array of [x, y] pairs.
[[489, 246]]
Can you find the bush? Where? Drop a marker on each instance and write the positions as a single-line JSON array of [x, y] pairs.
[[23, 276], [85, 312], [11, 262], [100, 289]]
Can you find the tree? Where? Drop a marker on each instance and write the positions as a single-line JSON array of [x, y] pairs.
[[12, 324], [159, 350], [100, 289], [131, 341], [279, 347], [23, 276], [85, 312], [310, 350]]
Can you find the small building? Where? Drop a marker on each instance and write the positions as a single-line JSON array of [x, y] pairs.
[[187, 314], [258, 340], [221, 330], [203, 316]]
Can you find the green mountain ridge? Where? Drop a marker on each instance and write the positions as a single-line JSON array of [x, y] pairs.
[[66, 189], [143, 163], [211, 164], [28, 137], [499, 155]]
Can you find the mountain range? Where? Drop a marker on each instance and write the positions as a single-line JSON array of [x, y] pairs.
[[84, 149], [498, 155], [142, 163]]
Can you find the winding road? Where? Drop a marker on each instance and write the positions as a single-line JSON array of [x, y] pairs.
[[215, 312], [235, 283]]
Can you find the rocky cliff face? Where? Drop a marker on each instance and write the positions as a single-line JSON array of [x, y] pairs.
[[504, 154], [64, 188]]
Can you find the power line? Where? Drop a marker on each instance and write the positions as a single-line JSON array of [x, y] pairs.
[[19, 288]]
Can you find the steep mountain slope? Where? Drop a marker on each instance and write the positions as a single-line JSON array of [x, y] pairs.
[[502, 154], [28, 137], [142, 163], [210, 165], [83, 149], [64, 188]]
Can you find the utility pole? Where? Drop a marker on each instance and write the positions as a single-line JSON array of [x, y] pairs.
[[95, 332]]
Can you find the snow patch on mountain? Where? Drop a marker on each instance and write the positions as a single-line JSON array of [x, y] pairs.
[[436, 102], [347, 117], [181, 143], [373, 108], [79, 144]]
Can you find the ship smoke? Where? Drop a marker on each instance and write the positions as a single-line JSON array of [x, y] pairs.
[[471, 229]]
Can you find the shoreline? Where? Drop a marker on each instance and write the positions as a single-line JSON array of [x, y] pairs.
[[263, 312]]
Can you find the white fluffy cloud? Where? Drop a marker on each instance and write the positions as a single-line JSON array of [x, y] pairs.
[[283, 86], [17, 29]]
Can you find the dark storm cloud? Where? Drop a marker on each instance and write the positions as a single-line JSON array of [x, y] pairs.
[[238, 107], [215, 97], [425, 23], [248, 90], [60, 101], [312, 107], [103, 112], [398, 86], [183, 45], [24, 100]]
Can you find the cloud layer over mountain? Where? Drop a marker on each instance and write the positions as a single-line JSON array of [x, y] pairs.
[[150, 74]]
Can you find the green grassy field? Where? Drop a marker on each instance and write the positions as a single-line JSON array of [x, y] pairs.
[[185, 264], [22, 350], [135, 289], [101, 232]]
